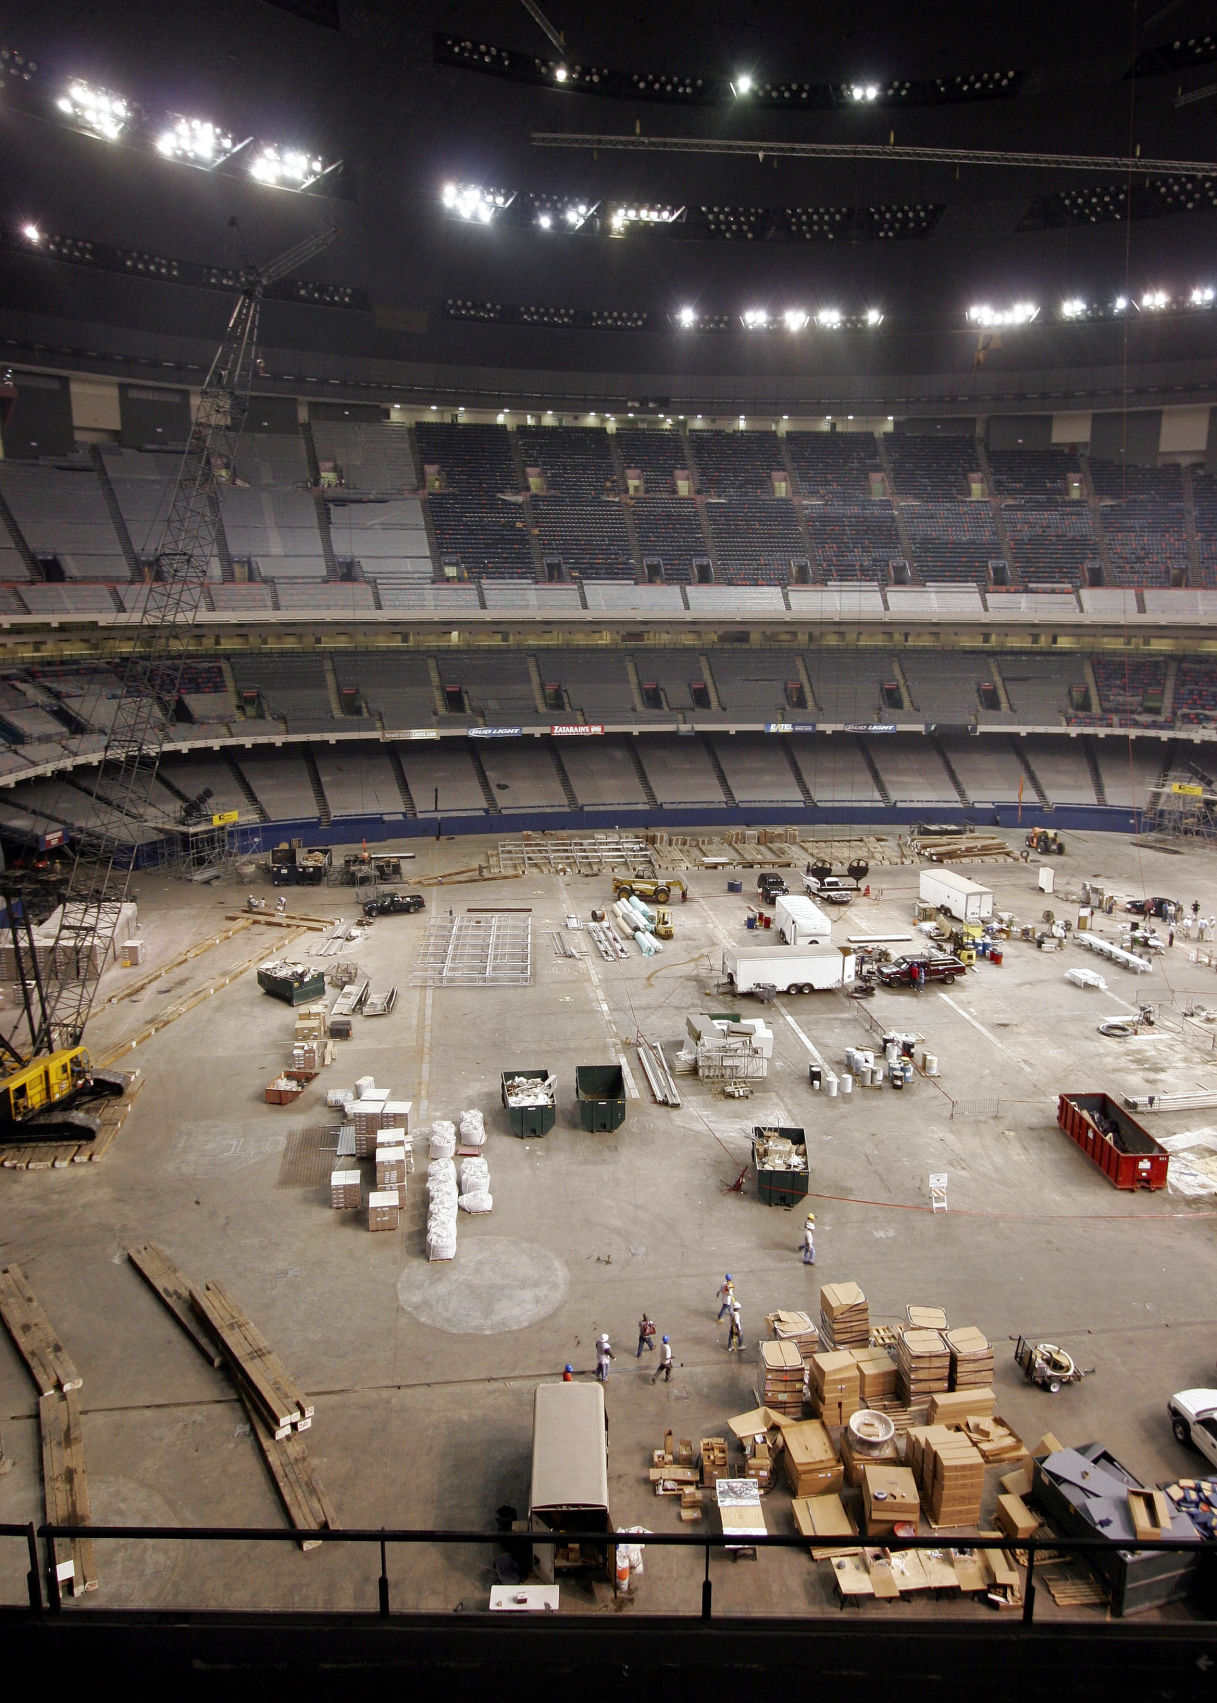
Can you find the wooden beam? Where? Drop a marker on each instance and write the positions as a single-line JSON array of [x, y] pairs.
[[49, 1363], [66, 1490], [307, 1506], [173, 1288]]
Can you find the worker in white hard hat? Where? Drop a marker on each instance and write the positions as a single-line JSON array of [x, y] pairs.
[[726, 1294], [809, 1240], [604, 1355], [664, 1363], [735, 1334]]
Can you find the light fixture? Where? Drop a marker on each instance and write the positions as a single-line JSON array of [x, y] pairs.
[[1120, 305], [755, 318], [687, 317], [286, 168], [874, 316], [794, 319], [829, 318], [1073, 308], [545, 221], [1201, 296], [560, 73], [1019, 313], [1155, 300], [32, 235], [471, 201], [196, 142], [864, 91], [742, 84], [95, 110]]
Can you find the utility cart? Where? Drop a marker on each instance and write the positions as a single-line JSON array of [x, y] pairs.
[[1046, 1364]]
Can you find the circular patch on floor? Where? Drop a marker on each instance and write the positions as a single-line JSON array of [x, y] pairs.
[[494, 1284]]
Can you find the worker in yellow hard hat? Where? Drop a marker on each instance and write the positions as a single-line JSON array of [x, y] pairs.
[[809, 1240]]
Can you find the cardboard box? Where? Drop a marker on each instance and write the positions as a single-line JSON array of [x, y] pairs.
[[1151, 1513], [1015, 1519], [384, 1209], [346, 1190]]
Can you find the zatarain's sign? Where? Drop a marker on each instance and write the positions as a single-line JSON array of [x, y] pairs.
[[578, 727]]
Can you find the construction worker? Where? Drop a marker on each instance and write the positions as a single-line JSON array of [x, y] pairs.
[[646, 1336], [568, 1373], [664, 1363], [281, 904], [809, 1240], [726, 1295], [604, 1355], [735, 1335]]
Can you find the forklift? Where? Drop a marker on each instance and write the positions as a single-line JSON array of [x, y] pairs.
[[656, 890], [1046, 841]]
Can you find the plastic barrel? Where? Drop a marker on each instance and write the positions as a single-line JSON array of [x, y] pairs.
[[749, 922], [906, 1070], [830, 1087], [931, 1064], [995, 955], [735, 886], [847, 1083]]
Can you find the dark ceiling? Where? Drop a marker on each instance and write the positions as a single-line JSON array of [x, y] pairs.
[[370, 93]]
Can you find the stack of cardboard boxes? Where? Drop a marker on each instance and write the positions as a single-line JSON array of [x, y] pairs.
[[971, 1358], [781, 1373], [923, 1365], [384, 1209], [876, 1376], [833, 1386], [812, 1466], [713, 1451], [844, 1316], [798, 1328], [345, 1190], [950, 1474], [889, 1499]]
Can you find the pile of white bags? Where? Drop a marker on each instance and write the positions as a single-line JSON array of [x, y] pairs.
[[473, 1129], [475, 1186], [441, 1209], [442, 1144]]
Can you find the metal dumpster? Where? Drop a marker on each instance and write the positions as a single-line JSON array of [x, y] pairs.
[[1124, 1151], [529, 1119], [779, 1158], [600, 1091]]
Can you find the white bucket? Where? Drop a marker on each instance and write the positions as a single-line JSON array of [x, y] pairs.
[[847, 1083], [830, 1087], [851, 1058], [931, 1064]]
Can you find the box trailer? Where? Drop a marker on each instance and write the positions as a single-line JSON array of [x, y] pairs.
[[799, 922], [958, 895], [789, 969], [569, 1492]]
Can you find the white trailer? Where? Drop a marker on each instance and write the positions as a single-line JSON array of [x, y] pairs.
[[956, 894], [799, 922], [790, 969]]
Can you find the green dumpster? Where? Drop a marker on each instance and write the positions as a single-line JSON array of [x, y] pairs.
[[528, 1094], [600, 1091], [779, 1158]]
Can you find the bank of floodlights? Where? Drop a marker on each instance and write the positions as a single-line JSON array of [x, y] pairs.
[[286, 168], [197, 142], [992, 318], [96, 111], [474, 203]]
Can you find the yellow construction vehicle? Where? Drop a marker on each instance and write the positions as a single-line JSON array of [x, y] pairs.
[[655, 889], [1046, 841], [39, 1100], [663, 925]]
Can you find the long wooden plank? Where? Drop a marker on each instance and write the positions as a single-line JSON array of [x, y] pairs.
[[219, 1315], [50, 1365], [172, 1287], [260, 1352], [66, 1490], [307, 1506]]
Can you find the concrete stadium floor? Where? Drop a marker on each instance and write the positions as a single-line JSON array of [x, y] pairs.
[[423, 1373]]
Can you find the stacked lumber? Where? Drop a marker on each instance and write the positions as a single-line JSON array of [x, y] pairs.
[[993, 1440], [109, 1115], [971, 1358], [278, 1411], [812, 1465], [798, 1328], [833, 1386], [65, 1489], [253, 1364], [35, 1339], [781, 1372], [923, 1364], [950, 1474], [844, 1316]]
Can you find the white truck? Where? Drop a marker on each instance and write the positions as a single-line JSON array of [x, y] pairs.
[[960, 897], [790, 969], [799, 922]]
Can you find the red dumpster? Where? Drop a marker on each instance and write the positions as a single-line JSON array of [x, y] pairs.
[[1126, 1153]]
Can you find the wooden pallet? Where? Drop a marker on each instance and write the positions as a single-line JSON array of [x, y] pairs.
[[306, 1504], [50, 1365], [58, 1155], [66, 1490], [252, 1361], [173, 1288]]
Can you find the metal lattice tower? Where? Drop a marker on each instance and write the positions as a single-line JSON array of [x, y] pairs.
[[160, 635]]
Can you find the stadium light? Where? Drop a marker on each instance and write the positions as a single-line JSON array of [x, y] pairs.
[[874, 316], [741, 85], [560, 73], [794, 319], [864, 91], [196, 142], [755, 318], [286, 168], [32, 235], [471, 201], [1019, 313], [1201, 296], [1153, 301], [1120, 305], [829, 318], [1074, 308], [95, 110], [687, 317], [544, 221]]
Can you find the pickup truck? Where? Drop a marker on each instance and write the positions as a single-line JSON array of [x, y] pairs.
[[830, 889], [900, 972], [770, 885], [392, 904], [1193, 1417]]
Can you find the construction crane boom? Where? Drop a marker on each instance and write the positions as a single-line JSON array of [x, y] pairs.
[[58, 992]]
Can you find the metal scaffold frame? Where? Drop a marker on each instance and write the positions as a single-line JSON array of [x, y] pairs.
[[476, 949], [574, 854]]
